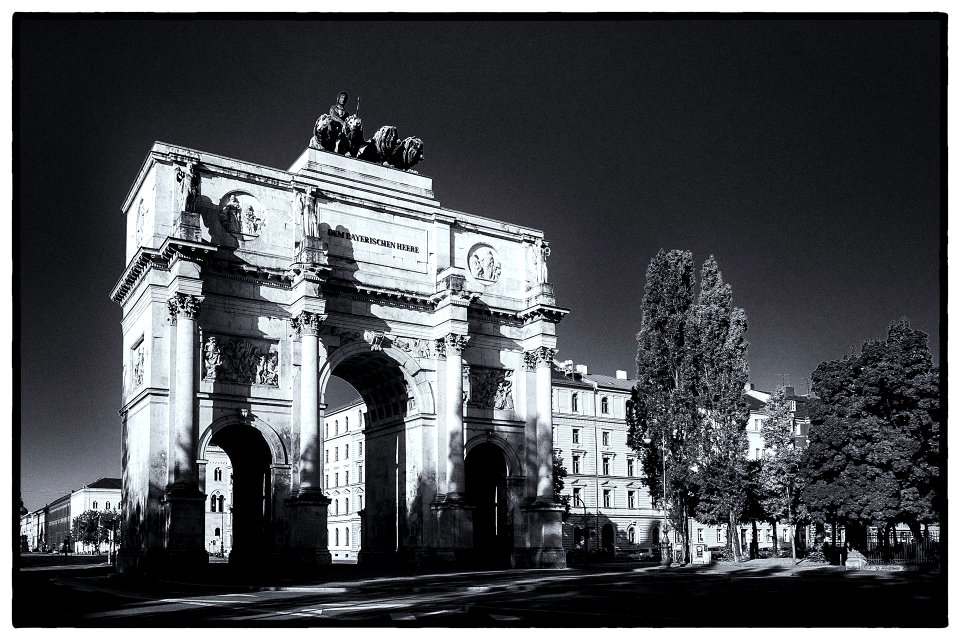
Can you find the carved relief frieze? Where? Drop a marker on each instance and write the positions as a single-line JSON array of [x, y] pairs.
[[241, 360], [490, 388], [138, 366], [484, 263], [416, 347], [242, 215]]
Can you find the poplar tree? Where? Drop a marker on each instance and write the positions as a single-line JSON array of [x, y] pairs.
[[717, 337], [687, 416]]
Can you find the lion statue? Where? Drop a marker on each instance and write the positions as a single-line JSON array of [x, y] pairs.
[[352, 137], [407, 154], [326, 133], [381, 147]]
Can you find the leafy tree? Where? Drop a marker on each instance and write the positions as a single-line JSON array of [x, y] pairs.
[[874, 454], [94, 527], [559, 473], [780, 463], [686, 414]]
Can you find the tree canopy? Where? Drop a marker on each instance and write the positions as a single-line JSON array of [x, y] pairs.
[[874, 443]]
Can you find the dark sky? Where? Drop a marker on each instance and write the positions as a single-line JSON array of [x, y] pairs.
[[804, 155]]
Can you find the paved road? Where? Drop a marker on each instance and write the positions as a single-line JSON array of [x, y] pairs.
[[599, 596]]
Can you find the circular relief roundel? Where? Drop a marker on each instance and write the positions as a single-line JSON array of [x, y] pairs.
[[484, 263], [242, 215]]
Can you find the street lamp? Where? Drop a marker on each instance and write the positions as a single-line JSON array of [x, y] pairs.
[[222, 532], [664, 543]]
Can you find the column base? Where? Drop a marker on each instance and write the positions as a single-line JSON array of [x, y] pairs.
[[308, 530], [454, 526], [183, 525], [541, 537]]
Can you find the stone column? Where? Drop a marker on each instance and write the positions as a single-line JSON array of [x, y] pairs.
[[453, 419], [544, 364], [307, 326], [542, 535], [183, 312], [308, 526], [183, 502], [453, 517]]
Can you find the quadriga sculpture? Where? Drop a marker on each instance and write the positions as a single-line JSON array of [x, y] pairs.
[[407, 154], [352, 138], [381, 146], [327, 132]]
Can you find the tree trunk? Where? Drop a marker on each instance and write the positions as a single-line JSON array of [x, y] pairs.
[[790, 528], [733, 538], [773, 531], [754, 544]]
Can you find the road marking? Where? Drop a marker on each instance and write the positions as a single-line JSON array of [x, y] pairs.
[[402, 616], [502, 618]]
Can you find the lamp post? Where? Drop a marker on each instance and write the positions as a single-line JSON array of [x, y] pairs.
[[664, 543], [222, 532]]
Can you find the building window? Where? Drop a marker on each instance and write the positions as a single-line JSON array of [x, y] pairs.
[[94, 504], [606, 498], [756, 453], [576, 436], [630, 467], [577, 500], [576, 464], [346, 424], [719, 532], [346, 536], [336, 480], [336, 537], [336, 453], [107, 506], [218, 474], [359, 448], [326, 430], [359, 474], [336, 427], [632, 535], [575, 403], [346, 477], [336, 507], [360, 417], [326, 480], [359, 502], [604, 405], [606, 438], [346, 505], [699, 535], [220, 501], [346, 452], [213, 502], [216, 532], [606, 466], [631, 500], [326, 455]]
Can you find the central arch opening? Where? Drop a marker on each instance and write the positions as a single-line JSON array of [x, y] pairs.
[[486, 488], [391, 504], [248, 516]]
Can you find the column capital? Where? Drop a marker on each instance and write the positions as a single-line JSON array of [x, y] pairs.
[[453, 341], [183, 305], [307, 323], [538, 357]]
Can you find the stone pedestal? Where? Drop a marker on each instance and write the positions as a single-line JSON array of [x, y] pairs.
[[308, 530], [311, 251], [454, 527], [183, 512], [540, 545]]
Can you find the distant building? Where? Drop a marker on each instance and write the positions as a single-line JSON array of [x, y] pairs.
[[344, 477], [218, 521], [51, 525]]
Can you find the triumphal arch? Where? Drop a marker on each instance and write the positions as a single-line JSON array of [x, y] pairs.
[[247, 288]]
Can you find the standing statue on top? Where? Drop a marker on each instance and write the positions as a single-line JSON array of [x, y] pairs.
[[541, 250], [340, 132]]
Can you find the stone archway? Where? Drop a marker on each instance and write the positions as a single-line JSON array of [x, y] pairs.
[[337, 265], [488, 494]]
